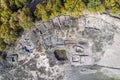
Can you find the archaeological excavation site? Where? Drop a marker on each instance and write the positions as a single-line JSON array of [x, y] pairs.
[[66, 48]]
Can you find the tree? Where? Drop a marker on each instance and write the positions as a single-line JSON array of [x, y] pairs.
[[7, 34], [75, 8], [2, 44], [13, 17], [25, 21], [22, 18], [63, 10], [5, 15], [16, 4], [3, 5], [49, 5], [95, 6], [14, 21], [41, 13], [113, 6], [56, 9]]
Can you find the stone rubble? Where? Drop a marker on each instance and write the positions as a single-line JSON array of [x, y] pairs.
[[89, 40]]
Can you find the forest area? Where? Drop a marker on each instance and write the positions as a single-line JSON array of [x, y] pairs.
[[15, 15]]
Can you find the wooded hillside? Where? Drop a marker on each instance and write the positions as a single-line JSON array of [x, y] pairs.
[[15, 16]]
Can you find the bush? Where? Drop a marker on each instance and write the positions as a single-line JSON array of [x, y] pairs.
[[60, 54]]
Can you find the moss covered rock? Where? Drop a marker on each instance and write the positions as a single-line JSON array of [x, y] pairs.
[[60, 54]]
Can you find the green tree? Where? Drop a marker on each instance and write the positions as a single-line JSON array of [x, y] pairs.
[[2, 44], [95, 6], [13, 16], [3, 5], [7, 34], [16, 4], [5, 15], [113, 6], [75, 8], [56, 9], [49, 5], [25, 21], [14, 21], [41, 13]]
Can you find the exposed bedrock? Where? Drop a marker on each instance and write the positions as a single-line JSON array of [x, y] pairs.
[[67, 49]]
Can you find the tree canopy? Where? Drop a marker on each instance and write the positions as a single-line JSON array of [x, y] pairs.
[[75, 8], [13, 16]]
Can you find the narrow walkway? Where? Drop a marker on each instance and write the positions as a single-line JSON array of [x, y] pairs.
[[108, 67], [33, 4]]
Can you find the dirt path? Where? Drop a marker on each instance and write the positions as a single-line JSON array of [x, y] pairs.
[[33, 4]]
